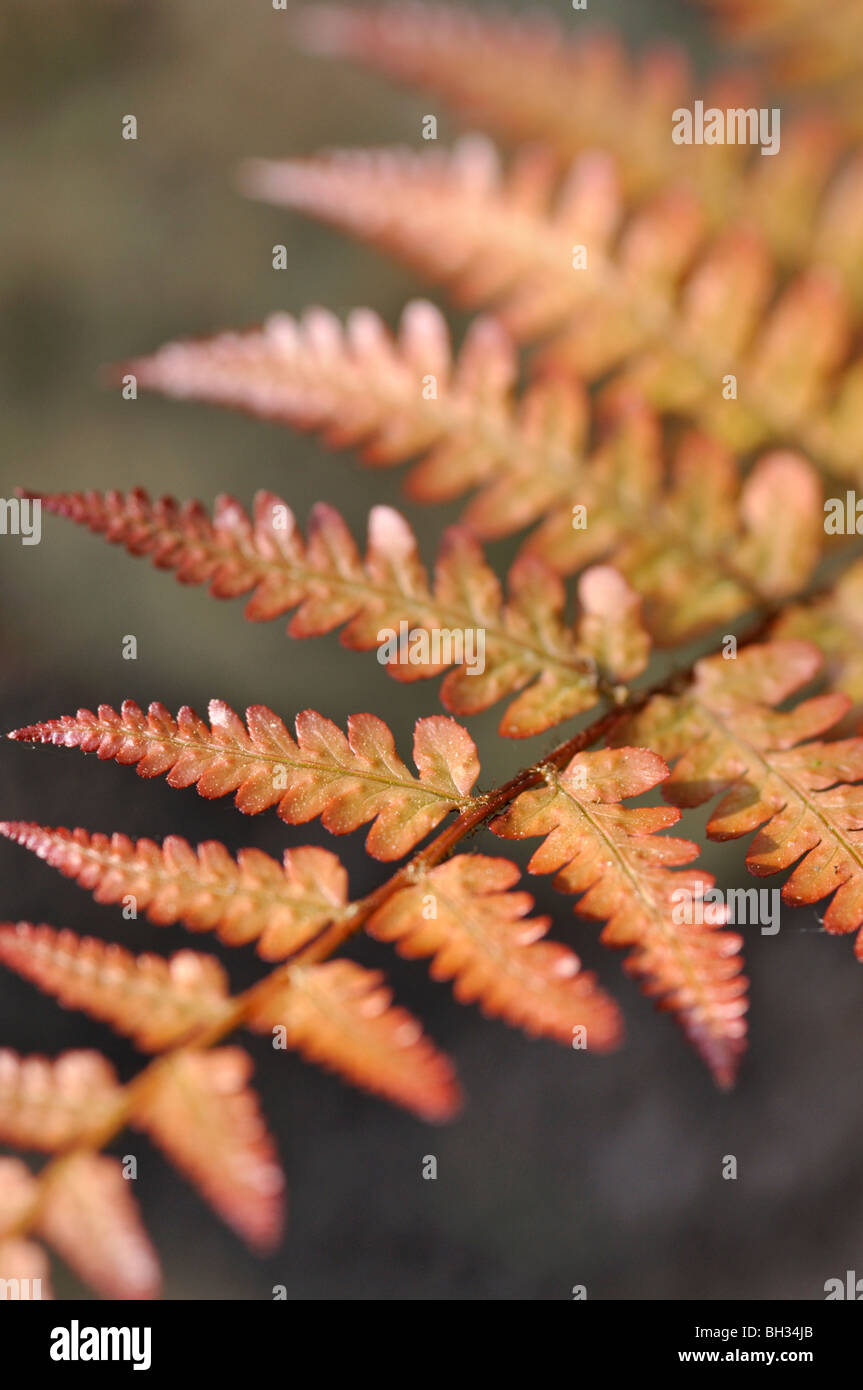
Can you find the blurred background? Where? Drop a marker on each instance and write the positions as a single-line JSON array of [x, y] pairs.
[[564, 1169]]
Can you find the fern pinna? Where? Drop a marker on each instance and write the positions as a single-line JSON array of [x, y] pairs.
[[695, 394]]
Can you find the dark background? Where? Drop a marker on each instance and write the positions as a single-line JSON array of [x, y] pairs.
[[564, 1169]]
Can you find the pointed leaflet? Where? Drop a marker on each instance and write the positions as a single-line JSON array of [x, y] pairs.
[[580, 91], [53, 1104], [627, 876], [477, 932], [724, 735], [346, 781], [156, 1002], [200, 1110], [88, 1214], [497, 645], [782, 34], [341, 1016], [649, 298], [395, 398], [251, 898]]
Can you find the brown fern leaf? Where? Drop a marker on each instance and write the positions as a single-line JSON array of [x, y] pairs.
[[24, 1267], [464, 915], [725, 735], [346, 781], [88, 1214], [282, 906], [156, 1002], [200, 1110], [681, 319], [341, 1016], [498, 646], [51, 1105], [612, 856]]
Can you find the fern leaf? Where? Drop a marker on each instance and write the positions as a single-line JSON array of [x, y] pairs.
[[346, 781], [23, 1262], [651, 299], [199, 1108], [282, 906], [50, 1105], [626, 873], [341, 1016], [394, 397], [154, 1001], [387, 599], [464, 915], [725, 735], [88, 1214]]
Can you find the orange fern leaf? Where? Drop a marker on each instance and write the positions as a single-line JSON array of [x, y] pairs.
[[465, 917], [680, 318], [580, 92], [497, 646], [200, 1110], [724, 734], [346, 781], [154, 1001], [341, 1016], [251, 898], [53, 1104], [612, 856], [87, 1213]]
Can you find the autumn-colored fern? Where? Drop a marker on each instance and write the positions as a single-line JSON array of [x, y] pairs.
[[695, 392]]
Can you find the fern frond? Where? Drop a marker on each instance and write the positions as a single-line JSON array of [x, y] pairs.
[[199, 1108], [155, 1002], [51, 1105], [725, 735], [581, 93], [341, 1016], [346, 781], [89, 1216], [386, 599], [628, 876], [252, 898], [465, 915], [678, 317], [24, 1260], [395, 397]]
